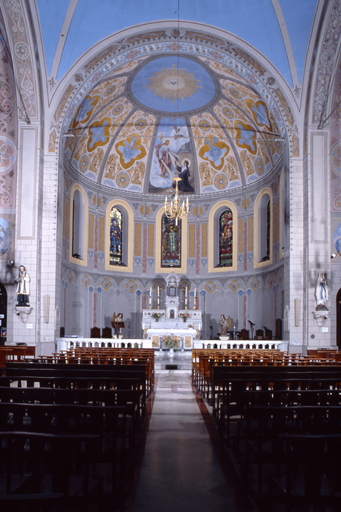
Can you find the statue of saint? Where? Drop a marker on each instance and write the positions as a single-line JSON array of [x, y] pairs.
[[224, 325], [321, 292], [23, 288]]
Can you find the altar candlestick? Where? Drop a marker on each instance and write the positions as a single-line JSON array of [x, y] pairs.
[[195, 299], [150, 298], [158, 297], [186, 297]]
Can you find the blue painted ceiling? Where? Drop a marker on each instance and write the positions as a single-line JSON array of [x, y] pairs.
[[254, 21]]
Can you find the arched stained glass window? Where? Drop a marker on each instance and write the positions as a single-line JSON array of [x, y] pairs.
[[170, 243], [115, 237], [78, 217], [226, 238], [268, 224]]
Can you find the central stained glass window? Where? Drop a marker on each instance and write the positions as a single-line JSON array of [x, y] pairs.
[[170, 243]]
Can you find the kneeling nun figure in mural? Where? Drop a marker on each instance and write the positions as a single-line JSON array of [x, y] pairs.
[[184, 174]]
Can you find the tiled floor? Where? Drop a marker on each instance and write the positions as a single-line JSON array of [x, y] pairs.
[[180, 469]]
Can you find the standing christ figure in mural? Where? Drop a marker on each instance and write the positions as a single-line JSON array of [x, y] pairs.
[[165, 158]]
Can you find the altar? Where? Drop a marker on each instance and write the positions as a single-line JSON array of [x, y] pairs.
[[172, 338], [172, 327]]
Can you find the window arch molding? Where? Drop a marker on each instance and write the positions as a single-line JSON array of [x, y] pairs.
[[158, 227], [79, 221], [281, 215], [213, 236], [128, 236], [257, 233]]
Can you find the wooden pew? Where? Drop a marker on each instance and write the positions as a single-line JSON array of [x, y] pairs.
[[44, 469], [311, 473], [15, 353], [108, 401]]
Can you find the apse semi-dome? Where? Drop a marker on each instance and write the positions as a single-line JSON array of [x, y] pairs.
[[150, 118]]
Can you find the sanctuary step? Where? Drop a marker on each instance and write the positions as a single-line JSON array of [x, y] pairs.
[[178, 360]]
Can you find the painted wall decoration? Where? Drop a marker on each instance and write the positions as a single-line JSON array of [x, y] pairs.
[[9, 136], [172, 156], [151, 114], [5, 236], [337, 239]]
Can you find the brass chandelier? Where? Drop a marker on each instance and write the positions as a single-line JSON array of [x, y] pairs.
[[174, 210]]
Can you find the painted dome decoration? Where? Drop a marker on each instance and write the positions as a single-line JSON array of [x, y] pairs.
[[145, 118], [173, 85]]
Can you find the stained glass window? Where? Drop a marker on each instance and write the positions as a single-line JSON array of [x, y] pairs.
[[115, 237], [226, 238], [170, 243], [268, 220]]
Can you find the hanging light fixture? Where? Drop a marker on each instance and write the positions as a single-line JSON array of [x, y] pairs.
[[174, 210]]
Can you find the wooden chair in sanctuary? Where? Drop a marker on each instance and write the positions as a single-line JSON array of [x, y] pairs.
[[107, 332], [95, 332]]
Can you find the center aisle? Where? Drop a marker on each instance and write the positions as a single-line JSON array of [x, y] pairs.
[[180, 471]]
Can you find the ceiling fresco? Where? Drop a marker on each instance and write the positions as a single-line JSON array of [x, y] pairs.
[[153, 118]]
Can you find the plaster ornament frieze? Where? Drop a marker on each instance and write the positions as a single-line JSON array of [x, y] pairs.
[[22, 59], [326, 63]]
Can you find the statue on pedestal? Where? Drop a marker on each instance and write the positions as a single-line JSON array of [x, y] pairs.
[[23, 288], [224, 325], [117, 323], [321, 312], [321, 292]]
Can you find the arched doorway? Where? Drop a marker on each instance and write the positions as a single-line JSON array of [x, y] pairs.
[[3, 314], [338, 318]]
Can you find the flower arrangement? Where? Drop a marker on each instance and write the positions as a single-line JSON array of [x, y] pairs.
[[157, 316], [170, 341], [184, 316]]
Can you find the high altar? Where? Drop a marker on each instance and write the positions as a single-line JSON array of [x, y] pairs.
[[172, 327]]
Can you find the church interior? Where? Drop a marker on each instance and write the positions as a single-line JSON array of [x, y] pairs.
[[170, 244]]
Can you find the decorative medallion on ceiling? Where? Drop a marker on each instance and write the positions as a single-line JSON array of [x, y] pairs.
[[173, 85]]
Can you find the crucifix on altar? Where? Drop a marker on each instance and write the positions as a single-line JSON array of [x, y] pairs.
[[170, 318]]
